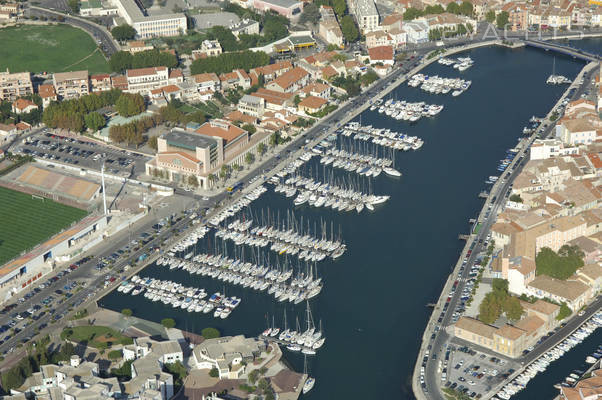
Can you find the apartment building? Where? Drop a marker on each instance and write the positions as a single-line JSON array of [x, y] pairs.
[[143, 80], [48, 94], [245, 26], [542, 149], [290, 81], [252, 105], [13, 86], [69, 85], [366, 15]]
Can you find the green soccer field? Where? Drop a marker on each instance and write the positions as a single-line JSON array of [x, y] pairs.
[[57, 48], [26, 221]]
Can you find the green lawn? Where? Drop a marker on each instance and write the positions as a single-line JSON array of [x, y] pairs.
[[28, 221], [100, 337], [56, 48]]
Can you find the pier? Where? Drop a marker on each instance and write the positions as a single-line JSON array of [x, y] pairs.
[[463, 237], [483, 195]]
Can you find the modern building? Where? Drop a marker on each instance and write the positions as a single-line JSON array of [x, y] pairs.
[[13, 86], [290, 9], [143, 80], [209, 48], [149, 26], [246, 27], [542, 149], [252, 105], [69, 85], [366, 15], [228, 354]]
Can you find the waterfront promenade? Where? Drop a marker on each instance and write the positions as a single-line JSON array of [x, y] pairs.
[[496, 199]]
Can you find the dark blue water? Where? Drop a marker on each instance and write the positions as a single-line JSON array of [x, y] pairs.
[[373, 303]]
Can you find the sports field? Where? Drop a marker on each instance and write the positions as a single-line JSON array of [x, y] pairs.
[[26, 222], [57, 48]]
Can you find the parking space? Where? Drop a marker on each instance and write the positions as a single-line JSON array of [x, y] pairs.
[[472, 372], [85, 154]]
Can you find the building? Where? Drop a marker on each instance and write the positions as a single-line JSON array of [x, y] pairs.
[[143, 80], [152, 25], [290, 9], [329, 28], [47, 93], [519, 272], [589, 388], [13, 86], [101, 82], [209, 48], [96, 8], [238, 77], [290, 81], [137, 46], [69, 85], [207, 82], [381, 54], [23, 106], [573, 292], [7, 131], [312, 104], [228, 354], [252, 105], [542, 149], [181, 154], [366, 15], [417, 31], [510, 340], [245, 26]]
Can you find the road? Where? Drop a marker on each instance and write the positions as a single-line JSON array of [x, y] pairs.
[[499, 193], [101, 35]]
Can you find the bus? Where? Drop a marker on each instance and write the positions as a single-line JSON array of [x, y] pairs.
[[235, 188]]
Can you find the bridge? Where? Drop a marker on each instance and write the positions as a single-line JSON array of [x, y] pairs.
[[566, 50]]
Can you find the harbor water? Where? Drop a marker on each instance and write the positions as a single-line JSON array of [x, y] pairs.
[[373, 304]]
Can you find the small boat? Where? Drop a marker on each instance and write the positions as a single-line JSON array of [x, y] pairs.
[[391, 171], [309, 384]]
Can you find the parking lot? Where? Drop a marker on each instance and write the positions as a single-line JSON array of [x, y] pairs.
[[85, 154], [471, 372]]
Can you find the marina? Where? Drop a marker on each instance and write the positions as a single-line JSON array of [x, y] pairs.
[[436, 84], [379, 263]]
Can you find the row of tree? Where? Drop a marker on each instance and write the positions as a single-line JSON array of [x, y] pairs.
[[227, 62], [77, 114], [465, 8], [459, 30], [123, 60]]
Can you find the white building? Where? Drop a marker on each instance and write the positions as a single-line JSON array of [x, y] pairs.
[[416, 31], [542, 149], [228, 354], [152, 25], [366, 15], [246, 26], [143, 80]]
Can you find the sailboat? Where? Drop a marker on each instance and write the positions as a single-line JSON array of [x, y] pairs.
[[309, 382], [275, 331]]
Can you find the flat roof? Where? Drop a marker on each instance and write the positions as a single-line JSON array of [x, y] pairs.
[[283, 3], [189, 140], [206, 21], [295, 40]]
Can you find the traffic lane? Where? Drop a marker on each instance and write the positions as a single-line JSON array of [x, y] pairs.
[[85, 294]]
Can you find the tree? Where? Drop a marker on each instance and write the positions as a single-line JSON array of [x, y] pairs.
[[502, 19], [411, 13], [129, 104], [499, 285], [121, 61], [249, 128], [490, 16], [127, 312], [249, 158], [261, 149], [513, 308], [310, 14], [559, 265], [214, 373], [168, 322], [349, 29], [489, 309], [453, 8], [340, 8], [564, 312], [516, 198], [212, 178], [123, 32], [466, 8], [94, 121], [152, 142], [193, 181], [74, 6], [210, 333], [227, 62], [224, 171], [274, 139]]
